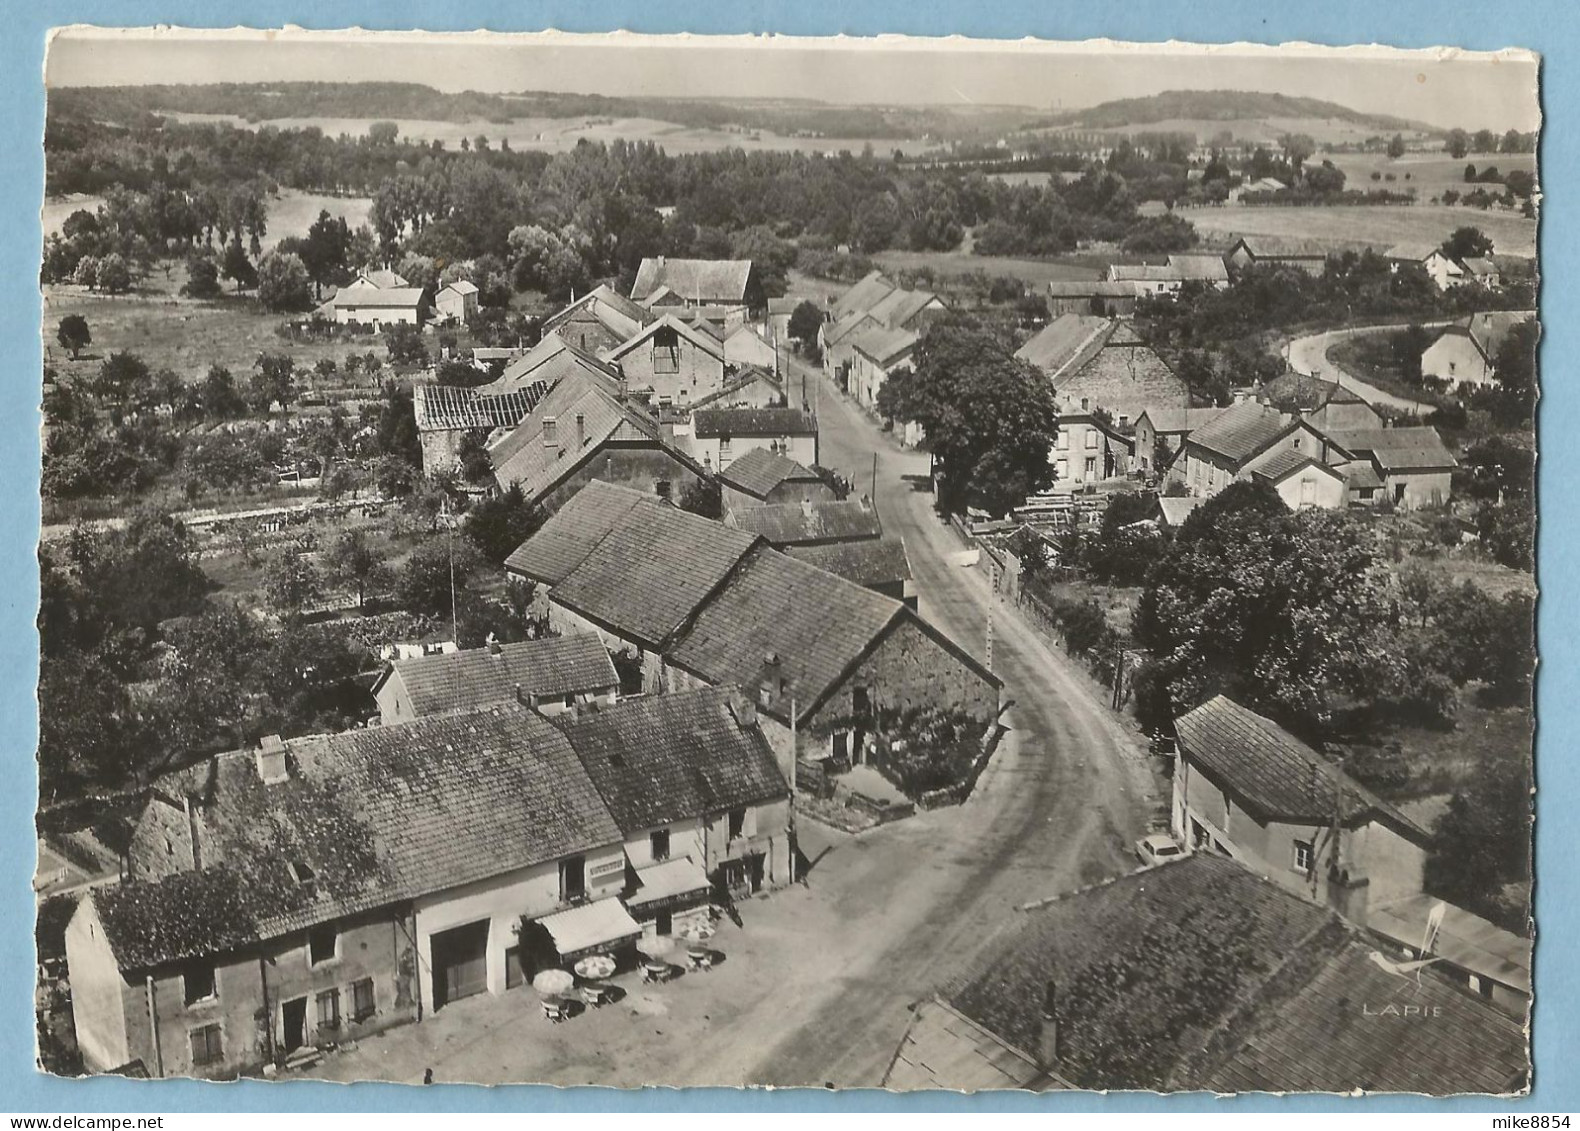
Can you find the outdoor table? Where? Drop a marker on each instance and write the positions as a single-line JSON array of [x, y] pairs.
[[594, 967], [554, 1009], [655, 971], [595, 994], [700, 958]]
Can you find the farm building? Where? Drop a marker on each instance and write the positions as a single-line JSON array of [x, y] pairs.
[[721, 435], [1466, 353]]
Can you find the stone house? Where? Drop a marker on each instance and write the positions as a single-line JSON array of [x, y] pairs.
[[760, 477], [551, 675], [721, 435], [456, 302], [670, 362]]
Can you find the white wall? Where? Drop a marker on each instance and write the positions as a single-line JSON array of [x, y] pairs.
[[503, 900], [98, 1010]]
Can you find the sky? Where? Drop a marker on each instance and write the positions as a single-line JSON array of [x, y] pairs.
[[1442, 88]]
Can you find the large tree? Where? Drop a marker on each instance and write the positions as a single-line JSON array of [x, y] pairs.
[[1284, 610], [283, 283], [323, 252], [498, 525], [357, 565], [990, 418], [73, 334], [1467, 243]]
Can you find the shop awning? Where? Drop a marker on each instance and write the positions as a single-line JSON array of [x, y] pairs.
[[671, 883], [592, 927]]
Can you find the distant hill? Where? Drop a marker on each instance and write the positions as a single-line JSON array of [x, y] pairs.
[[372, 101], [1221, 106]]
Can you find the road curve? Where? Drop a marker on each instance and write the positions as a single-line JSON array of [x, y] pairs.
[[1309, 355]]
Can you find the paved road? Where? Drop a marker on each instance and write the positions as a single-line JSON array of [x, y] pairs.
[[1058, 808], [821, 976], [1309, 355]]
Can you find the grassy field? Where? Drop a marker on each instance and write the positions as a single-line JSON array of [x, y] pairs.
[[1430, 173], [1255, 131], [168, 331], [1380, 226], [558, 135]]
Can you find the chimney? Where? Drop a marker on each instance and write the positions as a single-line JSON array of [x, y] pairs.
[[581, 431], [528, 699], [1050, 1048], [271, 760], [493, 645], [742, 708]]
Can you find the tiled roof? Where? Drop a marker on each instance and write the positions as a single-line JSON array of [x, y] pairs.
[[710, 422], [381, 297], [1205, 268], [1300, 392], [569, 535], [1398, 449], [523, 457], [1467, 941], [1360, 475], [899, 307], [1290, 247], [1068, 337], [667, 758], [1200, 975], [1274, 774], [697, 280], [551, 360], [744, 378], [1412, 252], [649, 574], [1179, 419], [1479, 265], [816, 623], [1336, 1033], [461, 287], [880, 561], [1489, 328], [1241, 431], [704, 341], [475, 677], [885, 346], [612, 308], [379, 815], [1285, 462], [943, 1049], [1142, 273], [1085, 288], [1144, 967], [794, 524], [840, 329], [443, 407], [385, 278], [863, 296], [759, 471]]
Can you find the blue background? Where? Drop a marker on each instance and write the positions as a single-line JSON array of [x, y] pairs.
[[1547, 26]]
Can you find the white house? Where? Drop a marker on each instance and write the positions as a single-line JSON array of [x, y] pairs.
[[456, 302]]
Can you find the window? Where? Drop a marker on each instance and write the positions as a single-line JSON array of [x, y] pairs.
[[666, 351], [362, 1006], [860, 702], [1305, 855], [1064, 440], [329, 1009], [1061, 470], [737, 823], [1091, 466], [323, 945], [1091, 439], [661, 488], [724, 451], [570, 698], [573, 879], [763, 694], [207, 1048], [304, 876], [660, 844], [197, 983]]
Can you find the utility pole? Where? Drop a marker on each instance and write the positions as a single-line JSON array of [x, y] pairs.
[[455, 620]]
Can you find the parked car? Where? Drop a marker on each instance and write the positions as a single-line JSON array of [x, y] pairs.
[[1159, 848]]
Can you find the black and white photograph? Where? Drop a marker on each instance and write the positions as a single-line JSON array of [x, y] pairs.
[[752, 561]]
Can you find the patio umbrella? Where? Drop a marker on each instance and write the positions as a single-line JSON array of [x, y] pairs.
[[700, 931], [595, 966], [656, 947], [553, 983]]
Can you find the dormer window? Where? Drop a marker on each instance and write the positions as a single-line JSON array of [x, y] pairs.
[[305, 879], [550, 430]]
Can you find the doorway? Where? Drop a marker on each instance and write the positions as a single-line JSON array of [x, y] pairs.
[[460, 963], [293, 1015]]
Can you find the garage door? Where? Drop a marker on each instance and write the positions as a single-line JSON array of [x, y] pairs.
[[460, 963]]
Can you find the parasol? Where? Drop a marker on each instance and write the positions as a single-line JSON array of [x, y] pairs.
[[656, 947], [595, 966], [553, 983]]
